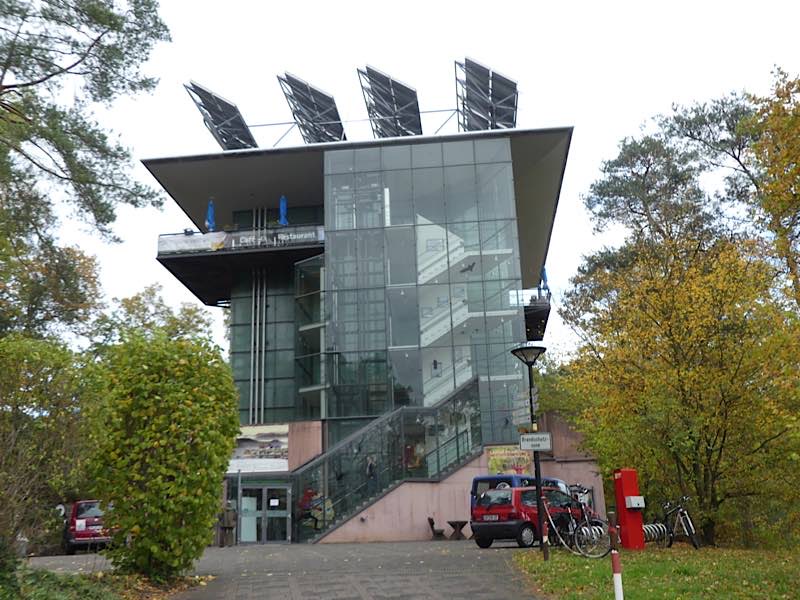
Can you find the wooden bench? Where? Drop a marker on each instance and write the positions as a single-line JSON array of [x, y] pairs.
[[438, 534]]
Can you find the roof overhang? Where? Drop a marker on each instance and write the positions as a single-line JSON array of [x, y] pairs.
[[242, 179]]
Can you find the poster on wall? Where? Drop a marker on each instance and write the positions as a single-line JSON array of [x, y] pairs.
[[508, 460]]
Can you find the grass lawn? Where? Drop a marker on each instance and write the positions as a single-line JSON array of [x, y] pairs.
[[680, 572], [37, 584]]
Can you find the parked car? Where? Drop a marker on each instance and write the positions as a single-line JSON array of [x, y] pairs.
[[84, 527], [510, 514], [484, 483]]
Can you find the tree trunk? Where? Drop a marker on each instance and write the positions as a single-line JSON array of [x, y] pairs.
[[709, 532]]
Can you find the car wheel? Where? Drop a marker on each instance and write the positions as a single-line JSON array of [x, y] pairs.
[[483, 542], [526, 536]]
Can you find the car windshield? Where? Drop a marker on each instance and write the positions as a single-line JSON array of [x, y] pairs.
[[495, 498], [558, 498], [87, 510]]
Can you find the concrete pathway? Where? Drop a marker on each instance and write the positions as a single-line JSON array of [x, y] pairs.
[[385, 571]]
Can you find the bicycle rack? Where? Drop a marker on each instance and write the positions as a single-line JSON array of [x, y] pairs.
[[655, 532]]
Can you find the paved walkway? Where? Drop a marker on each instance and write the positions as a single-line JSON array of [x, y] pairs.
[[386, 571]]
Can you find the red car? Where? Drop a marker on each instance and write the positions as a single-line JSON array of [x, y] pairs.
[[510, 514], [84, 527]]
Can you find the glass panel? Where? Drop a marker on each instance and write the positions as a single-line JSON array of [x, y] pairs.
[[343, 330], [406, 377], [369, 200], [280, 364], [432, 264], [437, 374], [400, 263], [368, 159], [429, 195], [396, 157], [240, 309], [277, 530], [463, 250], [370, 259], [495, 191], [240, 338], [342, 259], [403, 316], [458, 153], [372, 319], [240, 365], [426, 155], [250, 515], [434, 315], [277, 498], [460, 193], [397, 197], [340, 202], [493, 150], [281, 307], [338, 161]]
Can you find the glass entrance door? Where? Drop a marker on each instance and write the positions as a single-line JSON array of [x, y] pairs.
[[278, 515], [264, 516]]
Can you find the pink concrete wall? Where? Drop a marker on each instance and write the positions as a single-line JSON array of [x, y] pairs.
[[305, 442], [403, 513]]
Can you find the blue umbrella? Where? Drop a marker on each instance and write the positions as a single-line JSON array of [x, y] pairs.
[[283, 208], [210, 223]]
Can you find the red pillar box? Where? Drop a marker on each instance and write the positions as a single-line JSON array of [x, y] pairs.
[[629, 509]]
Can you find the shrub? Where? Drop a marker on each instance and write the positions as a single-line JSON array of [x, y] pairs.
[[163, 435]]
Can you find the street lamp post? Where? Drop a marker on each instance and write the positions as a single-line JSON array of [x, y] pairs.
[[529, 353]]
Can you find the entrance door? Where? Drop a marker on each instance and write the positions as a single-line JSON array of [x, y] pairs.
[[278, 514], [265, 515]]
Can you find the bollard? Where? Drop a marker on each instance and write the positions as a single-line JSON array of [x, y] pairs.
[[616, 566]]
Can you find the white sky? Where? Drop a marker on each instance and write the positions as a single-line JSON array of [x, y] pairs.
[[602, 67]]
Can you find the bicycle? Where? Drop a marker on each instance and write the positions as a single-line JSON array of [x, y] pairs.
[[585, 536], [667, 531]]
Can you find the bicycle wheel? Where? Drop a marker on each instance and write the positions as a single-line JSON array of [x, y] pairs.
[[688, 527], [592, 539]]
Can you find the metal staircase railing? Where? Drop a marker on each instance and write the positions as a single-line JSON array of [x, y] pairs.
[[410, 443]]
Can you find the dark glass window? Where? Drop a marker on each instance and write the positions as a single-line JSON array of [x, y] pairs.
[[369, 200], [396, 157], [340, 202], [372, 319], [432, 264], [342, 259], [400, 261], [338, 161], [492, 150], [367, 159], [460, 193], [398, 197], [406, 379], [429, 195], [370, 258], [458, 153], [426, 155], [495, 191], [403, 317]]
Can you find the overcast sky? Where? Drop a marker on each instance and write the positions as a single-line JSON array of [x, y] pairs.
[[603, 67]]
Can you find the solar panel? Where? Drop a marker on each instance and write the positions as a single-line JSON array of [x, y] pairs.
[[392, 106], [222, 118], [313, 110], [486, 99]]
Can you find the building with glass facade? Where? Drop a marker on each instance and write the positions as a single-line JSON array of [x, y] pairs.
[[380, 318]]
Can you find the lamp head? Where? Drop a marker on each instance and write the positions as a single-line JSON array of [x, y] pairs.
[[528, 352]]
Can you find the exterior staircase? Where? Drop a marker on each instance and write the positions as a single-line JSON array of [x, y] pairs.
[[407, 444]]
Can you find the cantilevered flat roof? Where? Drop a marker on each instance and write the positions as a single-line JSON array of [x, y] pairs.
[[243, 179]]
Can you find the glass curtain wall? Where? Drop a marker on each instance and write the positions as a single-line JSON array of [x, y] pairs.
[[263, 345], [422, 280]]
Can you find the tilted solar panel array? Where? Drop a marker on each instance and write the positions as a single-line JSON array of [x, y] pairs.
[[392, 106], [313, 110], [222, 118], [486, 99]]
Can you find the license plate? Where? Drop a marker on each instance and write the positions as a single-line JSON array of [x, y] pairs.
[[95, 528], [490, 517]]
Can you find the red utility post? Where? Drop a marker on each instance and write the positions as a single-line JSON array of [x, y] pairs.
[[629, 508]]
